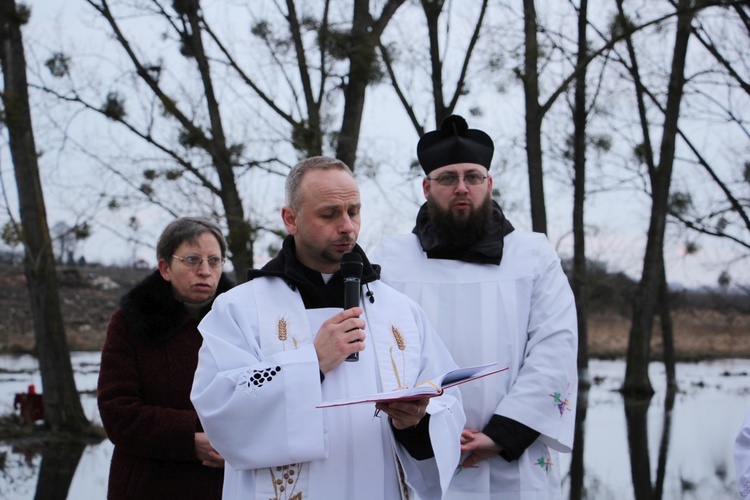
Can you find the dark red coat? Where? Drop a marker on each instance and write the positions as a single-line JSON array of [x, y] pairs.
[[146, 373]]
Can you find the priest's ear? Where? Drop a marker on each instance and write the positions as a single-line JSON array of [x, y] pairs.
[[426, 187], [289, 216]]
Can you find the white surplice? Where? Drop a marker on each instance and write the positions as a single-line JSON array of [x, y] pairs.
[[520, 314], [258, 383]]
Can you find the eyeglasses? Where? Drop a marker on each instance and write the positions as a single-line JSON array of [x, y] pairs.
[[193, 261], [470, 179]]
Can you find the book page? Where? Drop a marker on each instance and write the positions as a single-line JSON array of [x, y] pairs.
[[428, 388]]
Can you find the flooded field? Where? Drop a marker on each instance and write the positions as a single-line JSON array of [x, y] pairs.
[[685, 452]]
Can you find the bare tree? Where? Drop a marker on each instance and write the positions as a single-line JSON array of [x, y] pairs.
[[727, 215], [361, 51], [534, 114], [537, 54], [62, 403], [442, 105], [649, 103], [536, 107], [579, 278], [293, 82], [646, 300], [580, 113], [186, 20], [209, 153]]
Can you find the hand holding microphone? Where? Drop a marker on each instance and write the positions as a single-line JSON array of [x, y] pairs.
[[334, 341], [351, 274]]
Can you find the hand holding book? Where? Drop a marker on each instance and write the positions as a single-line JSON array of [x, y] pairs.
[[427, 388]]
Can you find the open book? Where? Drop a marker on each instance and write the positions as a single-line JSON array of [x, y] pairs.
[[427, 388]]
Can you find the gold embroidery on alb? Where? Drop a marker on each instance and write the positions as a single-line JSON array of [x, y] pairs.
[[285, 482], [282, 330], [401, 344]]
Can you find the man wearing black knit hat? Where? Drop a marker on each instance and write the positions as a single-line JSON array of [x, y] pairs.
[[493, 294]]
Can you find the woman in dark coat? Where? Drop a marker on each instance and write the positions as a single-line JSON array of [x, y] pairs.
[[147, 367]]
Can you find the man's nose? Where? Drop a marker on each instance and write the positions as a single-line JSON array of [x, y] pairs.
[[347, 226], [462, 186]]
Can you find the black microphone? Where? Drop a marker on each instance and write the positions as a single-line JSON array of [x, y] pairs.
[[351, 274]]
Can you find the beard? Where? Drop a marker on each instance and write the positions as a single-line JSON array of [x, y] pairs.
[[457, 232]]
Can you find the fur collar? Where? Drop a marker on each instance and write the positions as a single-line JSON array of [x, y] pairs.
[[153, 313]]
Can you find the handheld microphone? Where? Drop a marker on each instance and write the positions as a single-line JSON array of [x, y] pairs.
[[351, 274]]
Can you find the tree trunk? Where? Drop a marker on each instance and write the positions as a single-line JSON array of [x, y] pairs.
[[442, 106], [364, 40], [361, 58], [667, 331], [60, 460], [646, 299], [240, 236], [62, 403], [666, 434], [432, 11], [308, 138], [579, 281], [534, 116], [577, 466], [636, 413]]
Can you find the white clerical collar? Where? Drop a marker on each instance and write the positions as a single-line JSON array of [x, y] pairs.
[[326, 277]]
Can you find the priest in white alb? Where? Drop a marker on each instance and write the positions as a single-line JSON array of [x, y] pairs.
[[276, 347], [494, 294]]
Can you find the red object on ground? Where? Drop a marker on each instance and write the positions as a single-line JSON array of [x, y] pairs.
[[31, 405]]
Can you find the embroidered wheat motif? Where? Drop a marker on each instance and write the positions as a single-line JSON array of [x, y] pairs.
[[401, 344], [286, 481], [395, 372], [282, 330]]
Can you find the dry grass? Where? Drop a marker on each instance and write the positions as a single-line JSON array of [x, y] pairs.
[[697, 335], [86, 309]]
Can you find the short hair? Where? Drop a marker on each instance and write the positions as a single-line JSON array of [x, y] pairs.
[[294, 179], [187, 229]]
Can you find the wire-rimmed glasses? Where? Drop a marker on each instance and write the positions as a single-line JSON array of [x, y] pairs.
[[193, 261], [448, 179]]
